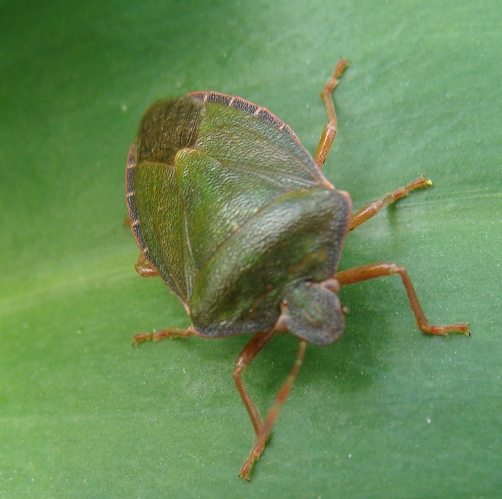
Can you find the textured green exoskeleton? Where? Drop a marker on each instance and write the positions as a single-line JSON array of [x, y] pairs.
[[238, 220]]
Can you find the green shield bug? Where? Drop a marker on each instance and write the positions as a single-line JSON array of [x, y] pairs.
[[237, 218]]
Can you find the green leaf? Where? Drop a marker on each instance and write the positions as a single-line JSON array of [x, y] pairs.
[[385, 411]]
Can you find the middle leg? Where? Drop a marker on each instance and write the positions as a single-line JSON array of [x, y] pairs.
[[170, 332], [371, 209]]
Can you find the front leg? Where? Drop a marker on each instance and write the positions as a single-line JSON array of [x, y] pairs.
[[249, 352], [374, 270], [263, 429]]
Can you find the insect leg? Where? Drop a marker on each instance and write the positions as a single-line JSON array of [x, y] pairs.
[[266, 428], [249, 352], [171, 332], [371, 209], [330, 130], [374, 270], [144, 268]]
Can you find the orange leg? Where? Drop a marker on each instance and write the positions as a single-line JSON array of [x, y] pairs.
[[144, 268], [374, 270], [330, 130], [170, 332], [266, 427], [370, 210], [249, 352]]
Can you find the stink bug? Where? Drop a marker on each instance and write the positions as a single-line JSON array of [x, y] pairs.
[[237, 218]]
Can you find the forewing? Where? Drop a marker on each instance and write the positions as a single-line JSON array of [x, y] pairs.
[[242, 159], [242, 140], [159, 207]]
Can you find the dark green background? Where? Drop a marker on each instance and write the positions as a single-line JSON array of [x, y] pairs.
[[386, 411]]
